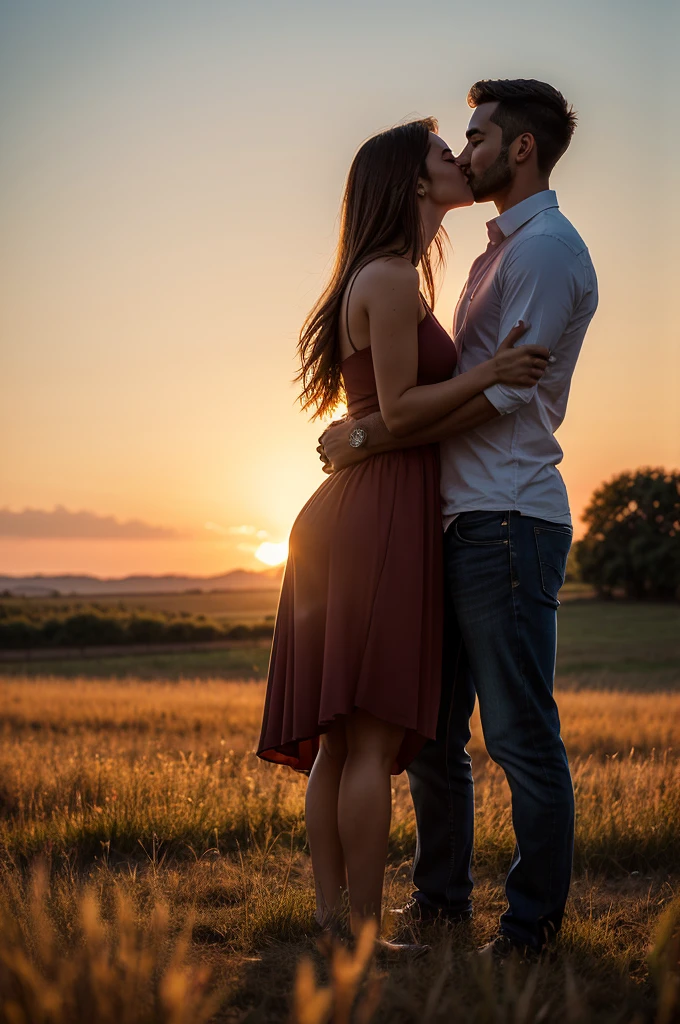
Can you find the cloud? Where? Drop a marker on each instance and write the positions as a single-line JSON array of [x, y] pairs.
[[35, 523], [215, 528], [237, 531]]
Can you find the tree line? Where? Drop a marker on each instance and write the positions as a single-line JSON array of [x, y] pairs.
[[24, 625]]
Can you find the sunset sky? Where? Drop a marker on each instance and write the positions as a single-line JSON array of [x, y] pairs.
[[171, 177]]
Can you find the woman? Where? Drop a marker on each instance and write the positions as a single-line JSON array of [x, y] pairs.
[[354, 677]]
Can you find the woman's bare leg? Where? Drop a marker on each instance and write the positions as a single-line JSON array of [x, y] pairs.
[[321, 814], [365, 810]]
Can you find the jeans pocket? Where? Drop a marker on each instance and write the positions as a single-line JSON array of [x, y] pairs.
[[481, 529], [552, 545]]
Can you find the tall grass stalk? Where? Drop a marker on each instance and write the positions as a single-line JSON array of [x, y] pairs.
[[106, 970]]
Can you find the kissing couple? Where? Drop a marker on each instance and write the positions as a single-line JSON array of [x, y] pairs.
[[424, 572]]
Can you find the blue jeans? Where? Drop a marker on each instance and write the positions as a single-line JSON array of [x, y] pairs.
[[503, 571]]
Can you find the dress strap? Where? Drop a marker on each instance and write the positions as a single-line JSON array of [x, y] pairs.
[[349, 292], [356, 273]]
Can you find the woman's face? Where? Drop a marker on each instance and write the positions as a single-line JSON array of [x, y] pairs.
[[448, 185]]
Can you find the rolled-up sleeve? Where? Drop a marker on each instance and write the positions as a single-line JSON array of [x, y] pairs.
[[541, 283]]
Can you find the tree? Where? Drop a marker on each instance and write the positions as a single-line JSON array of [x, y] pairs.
[[633, 538]]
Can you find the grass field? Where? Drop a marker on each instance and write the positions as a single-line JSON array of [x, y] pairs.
[[150, 814]]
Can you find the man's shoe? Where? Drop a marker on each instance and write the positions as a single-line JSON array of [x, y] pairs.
[[399, 952], [416, 914], [502, 948]]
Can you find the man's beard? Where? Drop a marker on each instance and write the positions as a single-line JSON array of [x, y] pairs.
[[494, 179]]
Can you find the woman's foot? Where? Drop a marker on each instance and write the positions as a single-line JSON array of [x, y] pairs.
[[330, 925]]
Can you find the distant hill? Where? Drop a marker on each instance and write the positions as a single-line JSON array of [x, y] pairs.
[[45, 586]]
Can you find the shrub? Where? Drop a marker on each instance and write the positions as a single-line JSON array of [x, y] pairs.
[[19, 633], [85, 628]]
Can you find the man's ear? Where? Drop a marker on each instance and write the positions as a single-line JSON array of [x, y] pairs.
[[524, 146]]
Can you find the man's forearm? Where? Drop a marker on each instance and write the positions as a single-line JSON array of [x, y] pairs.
[[474, 413]]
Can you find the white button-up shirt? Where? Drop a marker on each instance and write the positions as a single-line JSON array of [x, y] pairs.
[[536, 269]]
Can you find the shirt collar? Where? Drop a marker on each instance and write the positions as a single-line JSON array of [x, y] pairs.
[[517, 216]]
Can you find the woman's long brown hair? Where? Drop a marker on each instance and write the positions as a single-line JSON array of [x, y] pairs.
[[379, 214]]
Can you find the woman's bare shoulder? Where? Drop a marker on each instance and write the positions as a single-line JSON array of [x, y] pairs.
[[386, 275], [389, 268]]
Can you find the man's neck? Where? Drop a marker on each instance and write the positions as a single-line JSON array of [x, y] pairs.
[[518, 192]]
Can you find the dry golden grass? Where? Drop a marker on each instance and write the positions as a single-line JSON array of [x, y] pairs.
[[140, 795], [85, 763], [115, 971], [199, 715]]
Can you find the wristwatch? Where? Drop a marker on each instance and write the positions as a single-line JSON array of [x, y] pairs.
[[358, 437]]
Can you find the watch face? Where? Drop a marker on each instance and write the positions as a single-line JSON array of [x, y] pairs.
[[357, 437]]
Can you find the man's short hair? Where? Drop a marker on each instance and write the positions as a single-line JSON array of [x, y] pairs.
[[525, 105]]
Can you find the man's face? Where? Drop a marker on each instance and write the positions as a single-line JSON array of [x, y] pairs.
[[484, 161]]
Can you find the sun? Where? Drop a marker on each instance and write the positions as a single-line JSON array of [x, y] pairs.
[[272, 554]]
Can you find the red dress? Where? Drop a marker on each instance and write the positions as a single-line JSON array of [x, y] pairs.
[[359, 623]]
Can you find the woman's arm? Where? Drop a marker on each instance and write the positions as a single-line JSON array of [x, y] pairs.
[[336, 452], [393, 307]]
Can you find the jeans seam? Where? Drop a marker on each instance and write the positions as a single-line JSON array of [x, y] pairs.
[[452, 830], [542, 562], [520, 660]]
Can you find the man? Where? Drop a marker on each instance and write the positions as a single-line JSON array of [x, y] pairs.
[[507, 523]]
